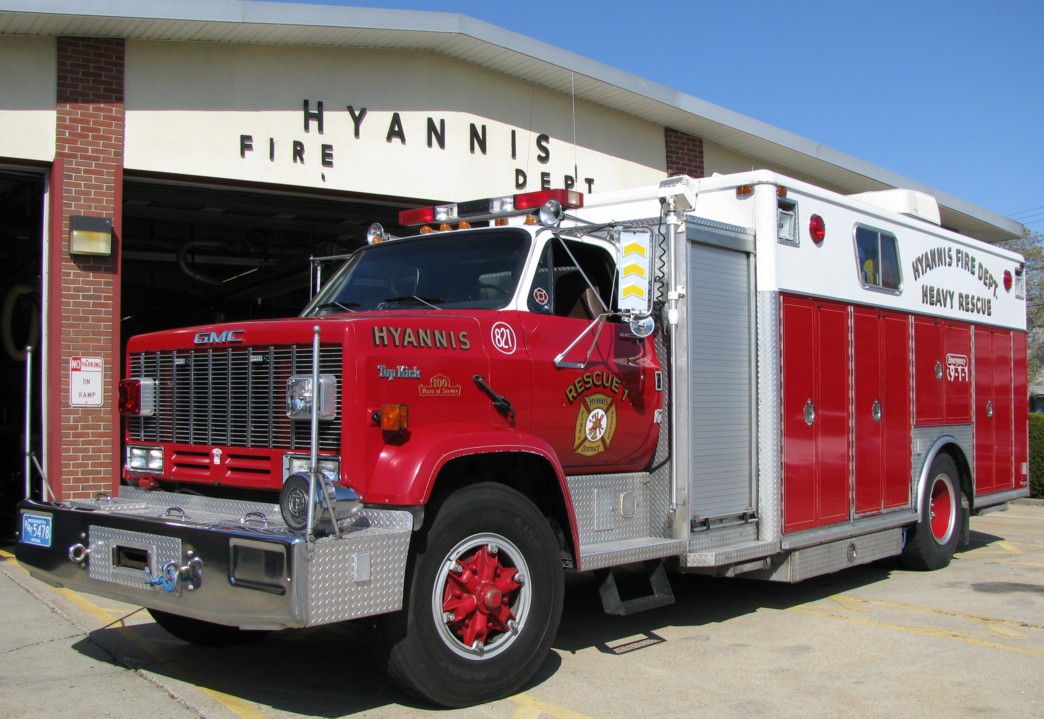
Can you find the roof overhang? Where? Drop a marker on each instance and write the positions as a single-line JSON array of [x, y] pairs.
[[469, 40]]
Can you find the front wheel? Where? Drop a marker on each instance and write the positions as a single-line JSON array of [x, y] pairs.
[[931, 542], [483, 602]]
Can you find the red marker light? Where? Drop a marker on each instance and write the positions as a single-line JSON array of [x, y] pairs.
[[1007, 280], [817, 228]]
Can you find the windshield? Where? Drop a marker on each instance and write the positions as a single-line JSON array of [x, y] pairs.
[[474, 269]]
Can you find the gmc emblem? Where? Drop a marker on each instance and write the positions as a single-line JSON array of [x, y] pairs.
[[218, 338]]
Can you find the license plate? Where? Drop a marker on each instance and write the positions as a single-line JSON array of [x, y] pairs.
[[36, 529]]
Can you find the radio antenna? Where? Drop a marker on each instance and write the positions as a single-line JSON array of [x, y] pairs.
[[572, 94]]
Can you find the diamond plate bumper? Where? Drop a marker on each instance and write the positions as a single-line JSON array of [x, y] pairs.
[[255, 573]]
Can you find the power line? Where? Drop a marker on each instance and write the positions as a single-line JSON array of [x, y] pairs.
[[1030, 210]]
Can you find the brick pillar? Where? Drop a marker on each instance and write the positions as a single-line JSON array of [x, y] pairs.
[[684, 153], [84, 297]]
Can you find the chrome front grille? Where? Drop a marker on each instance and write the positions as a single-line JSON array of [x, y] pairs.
[[230, 397]]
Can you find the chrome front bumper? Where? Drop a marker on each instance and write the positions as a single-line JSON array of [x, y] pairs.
[[222, 561]]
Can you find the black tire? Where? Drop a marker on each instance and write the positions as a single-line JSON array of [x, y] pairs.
[[467, 568], [931, 542], [205, 634]]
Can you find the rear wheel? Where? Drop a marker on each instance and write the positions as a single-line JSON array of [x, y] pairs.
[[483, 602], [205, 634], [930, 543]]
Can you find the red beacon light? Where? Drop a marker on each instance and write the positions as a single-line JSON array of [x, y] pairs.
[[137, 397], [419, 216], [494, 208], [568, 199]]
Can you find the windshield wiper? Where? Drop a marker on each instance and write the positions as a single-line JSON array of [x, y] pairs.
[[429, 301], [334, 304]]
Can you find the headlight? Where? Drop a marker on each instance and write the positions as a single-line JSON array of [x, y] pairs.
[[145, 459], [329, 467], [300, 395]]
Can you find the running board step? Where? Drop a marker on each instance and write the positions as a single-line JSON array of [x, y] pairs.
[[732, 554], [660, 596], [628, 551]]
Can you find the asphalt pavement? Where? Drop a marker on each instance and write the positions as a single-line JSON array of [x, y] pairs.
[[875, 641]]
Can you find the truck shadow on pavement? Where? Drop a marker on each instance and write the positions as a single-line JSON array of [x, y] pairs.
[[699, 601], [329, 671], [703, 600], [333, 671]]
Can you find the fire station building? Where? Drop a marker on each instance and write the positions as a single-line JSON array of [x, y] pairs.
[[175, 163]]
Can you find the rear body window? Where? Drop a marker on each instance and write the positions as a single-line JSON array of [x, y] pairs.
[[877, 259]]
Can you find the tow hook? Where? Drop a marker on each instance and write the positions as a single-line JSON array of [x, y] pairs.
[[78, 553], [172, 576]]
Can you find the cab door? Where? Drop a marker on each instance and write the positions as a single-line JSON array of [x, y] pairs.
[[598, 412]]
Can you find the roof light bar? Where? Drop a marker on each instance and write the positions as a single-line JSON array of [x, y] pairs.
[[491, 208]]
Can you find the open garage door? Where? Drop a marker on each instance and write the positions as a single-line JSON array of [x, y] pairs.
[[21, 250], [196, 254]]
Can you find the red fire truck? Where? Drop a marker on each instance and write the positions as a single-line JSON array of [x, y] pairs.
[[739, 375]]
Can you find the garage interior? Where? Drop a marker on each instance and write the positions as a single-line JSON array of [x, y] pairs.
[[195, 254], [192, 253], [21, 222]]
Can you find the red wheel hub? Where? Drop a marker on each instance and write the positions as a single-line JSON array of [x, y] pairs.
[[493, 599], [477, 598], [941, 511]]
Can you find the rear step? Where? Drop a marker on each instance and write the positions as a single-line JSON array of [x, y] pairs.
[[661, 595]]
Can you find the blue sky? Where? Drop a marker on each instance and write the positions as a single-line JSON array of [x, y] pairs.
[[946, 92]]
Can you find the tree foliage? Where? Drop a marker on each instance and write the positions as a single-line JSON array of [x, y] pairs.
[[1031, 246], [1036, 451]]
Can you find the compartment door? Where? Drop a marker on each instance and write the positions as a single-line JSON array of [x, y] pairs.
[[721, 392], [816, 479], [994, 455], [882, 410], [895, 336]]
